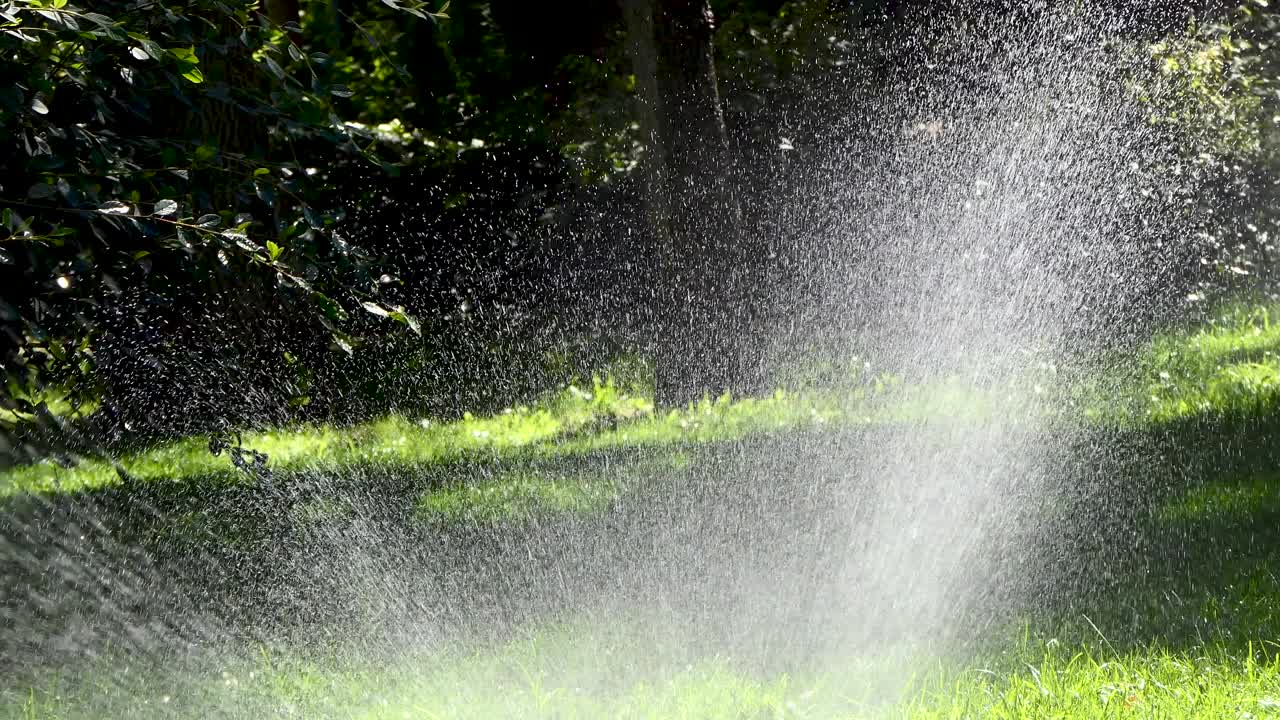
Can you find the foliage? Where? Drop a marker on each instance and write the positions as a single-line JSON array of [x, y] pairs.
[[1221, 89], [765, 49], [165, 161]]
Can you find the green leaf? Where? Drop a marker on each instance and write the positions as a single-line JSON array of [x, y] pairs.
[[375, 308], [314, 219], [274, 250], [114, 207], [265, 192], [99, 19], [165, 208], [261, 171], [274, 67], [194, 76], [405, 318], [154, 50], [209, 221], [185, 55], [39, 191], [332, 310]]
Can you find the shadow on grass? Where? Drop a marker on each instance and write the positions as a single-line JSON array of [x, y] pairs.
[[310, 556], [1172, 539], [1169, 536]]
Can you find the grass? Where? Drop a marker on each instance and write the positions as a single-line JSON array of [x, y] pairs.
[[518, 496], [583, 672], [1187, 628], [1228, 497], [572, 422], [1226, 367]]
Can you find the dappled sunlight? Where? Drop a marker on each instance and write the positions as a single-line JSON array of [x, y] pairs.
[[647, 359]]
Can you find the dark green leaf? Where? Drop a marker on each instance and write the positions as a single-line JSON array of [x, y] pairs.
[[274, 67], [314, 219], [40, 191], [332, 310], [265, 192]]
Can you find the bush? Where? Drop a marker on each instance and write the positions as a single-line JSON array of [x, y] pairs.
[[165, 244]]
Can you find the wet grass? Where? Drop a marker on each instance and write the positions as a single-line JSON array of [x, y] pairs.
[[1175, 612], [1225, 368], [571, 422], [590, 672]]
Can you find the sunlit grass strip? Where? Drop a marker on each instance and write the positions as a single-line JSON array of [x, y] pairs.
[[573, 422], [1227, 368], [624, 672]]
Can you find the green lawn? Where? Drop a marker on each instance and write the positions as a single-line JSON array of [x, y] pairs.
[[573, 672], [1228, 367], [1184, 624]]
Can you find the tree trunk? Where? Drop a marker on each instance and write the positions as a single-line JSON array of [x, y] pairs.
[[699, 307]]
